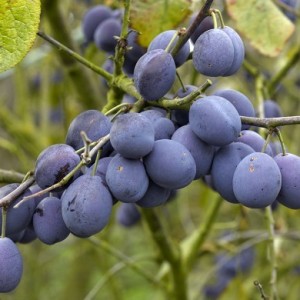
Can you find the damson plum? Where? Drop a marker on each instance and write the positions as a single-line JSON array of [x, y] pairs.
[[86, 206], [127, 179], [48, 223], [135, 51], [155, 196], [11, 265], [223, 167], [153, 114], [254, 140], [170, 164], [201, 151], [94, 123], [154, 74], [93, 18], [163, 129], [214, 291], [239, 50], [106, 33], [132, 135], [28, 235], [257, 180], [127, 214], [213, 53], [289, 166], [215, 120], [241, 103], [272, 109], [54, 163], [162, 40]]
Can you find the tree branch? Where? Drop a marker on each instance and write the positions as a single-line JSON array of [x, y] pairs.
[[76, 56], [271, 122], [204, 12], [169, 252]]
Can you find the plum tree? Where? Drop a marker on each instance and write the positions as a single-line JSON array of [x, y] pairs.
[[154, 140]]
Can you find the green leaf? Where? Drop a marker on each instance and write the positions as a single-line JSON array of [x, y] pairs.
[[262, 23], [151, 17], [19, 21]]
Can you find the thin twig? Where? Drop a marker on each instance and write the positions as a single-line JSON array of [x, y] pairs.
[[66, 179], [271, 122], [184, 102], [260, 288], [5, 201], [76, 56], [204, 12]]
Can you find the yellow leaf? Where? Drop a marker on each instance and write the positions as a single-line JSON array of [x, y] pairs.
[[19, 22], [262, 23], [151, 17]]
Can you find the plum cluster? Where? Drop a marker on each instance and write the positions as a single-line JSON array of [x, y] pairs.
[[148, 157], [102, 26], [216, 51]]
